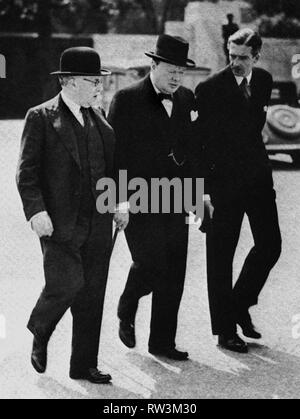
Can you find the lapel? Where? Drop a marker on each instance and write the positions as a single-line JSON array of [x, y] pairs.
[[178, 106], [57, 113], [155, 109], [107, 139], [233, 89], [63, 127], [257, 89]]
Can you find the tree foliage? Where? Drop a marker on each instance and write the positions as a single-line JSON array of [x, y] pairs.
[[278, 18], [47, 16], [290, 8], [145, 16], [82, 16]]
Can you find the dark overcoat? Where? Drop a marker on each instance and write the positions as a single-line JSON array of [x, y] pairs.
[[49, 172]]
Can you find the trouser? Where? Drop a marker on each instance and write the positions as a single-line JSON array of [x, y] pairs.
[[222, 239], [76, 276], [158, 245]]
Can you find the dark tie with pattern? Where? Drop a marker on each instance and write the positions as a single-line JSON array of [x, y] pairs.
[[245, 89], [86, 115]]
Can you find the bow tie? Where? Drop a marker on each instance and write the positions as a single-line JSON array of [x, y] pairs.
[[164, 96]]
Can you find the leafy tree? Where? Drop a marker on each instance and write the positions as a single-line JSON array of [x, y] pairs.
[[82, 16], [290, 8], [30, 14], [145, 16], [47, 16], [278, 18]]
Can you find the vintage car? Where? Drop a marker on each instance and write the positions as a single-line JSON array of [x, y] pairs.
[[281, 133]]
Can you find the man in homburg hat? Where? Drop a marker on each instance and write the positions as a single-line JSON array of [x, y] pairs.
[[66, 147], [152, 121], [232, 107]]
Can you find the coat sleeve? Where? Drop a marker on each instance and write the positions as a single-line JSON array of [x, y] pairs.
[[118, 118], [203, 132], [28, 175]]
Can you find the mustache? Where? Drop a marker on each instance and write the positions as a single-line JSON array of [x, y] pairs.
[[236, 68]]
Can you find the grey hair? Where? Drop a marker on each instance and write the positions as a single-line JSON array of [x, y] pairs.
[[65, 80]]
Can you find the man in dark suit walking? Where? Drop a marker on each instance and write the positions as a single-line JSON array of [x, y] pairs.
[[66, 147], [232, 109], [152, 121]]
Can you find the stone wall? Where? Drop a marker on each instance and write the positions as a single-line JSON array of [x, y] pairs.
[[203, 29]]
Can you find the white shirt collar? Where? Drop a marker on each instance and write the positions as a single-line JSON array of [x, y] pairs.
[[240, 79], [74, 107]]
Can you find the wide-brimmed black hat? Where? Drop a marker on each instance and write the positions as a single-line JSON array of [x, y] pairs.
[[81, 61], [173, 50]]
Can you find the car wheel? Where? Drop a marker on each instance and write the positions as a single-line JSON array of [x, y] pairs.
[[284, 120]]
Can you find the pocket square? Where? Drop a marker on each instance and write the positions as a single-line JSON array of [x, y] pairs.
[[194, 116]]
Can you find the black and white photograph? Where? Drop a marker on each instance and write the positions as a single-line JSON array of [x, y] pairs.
[[150, 174]]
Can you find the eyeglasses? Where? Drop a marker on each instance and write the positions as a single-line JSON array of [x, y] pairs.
[[94, 82]]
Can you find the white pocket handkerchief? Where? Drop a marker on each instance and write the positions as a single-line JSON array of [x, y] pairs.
[[194, 116]]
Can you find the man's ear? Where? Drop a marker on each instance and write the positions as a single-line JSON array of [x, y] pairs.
[[153, 65], [73, 82]]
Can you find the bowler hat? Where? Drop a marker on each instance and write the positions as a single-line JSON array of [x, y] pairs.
[[173, 50], [81, 61]]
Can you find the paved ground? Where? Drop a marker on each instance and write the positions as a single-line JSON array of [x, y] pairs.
[[271, 370]]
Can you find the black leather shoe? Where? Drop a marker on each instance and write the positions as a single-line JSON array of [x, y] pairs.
[[93, 375], [245, 322], [39, 354], [127, 333], [173, 354], [233, 343]]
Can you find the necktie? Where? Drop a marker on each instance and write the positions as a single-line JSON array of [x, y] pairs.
[[86, 115], [164, 96], [245, 89]]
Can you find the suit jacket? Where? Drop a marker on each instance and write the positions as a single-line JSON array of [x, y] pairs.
[[142, 131], [49, 172], [229, 132]]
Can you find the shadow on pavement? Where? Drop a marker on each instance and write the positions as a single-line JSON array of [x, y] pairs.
[[53, 388], [266, 374]]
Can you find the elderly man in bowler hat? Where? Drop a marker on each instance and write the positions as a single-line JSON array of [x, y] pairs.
[[152, 123], [66, 147]]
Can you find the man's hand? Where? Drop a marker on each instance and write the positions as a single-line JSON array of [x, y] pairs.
[[121, 218], [42, 225], [208, 215]]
